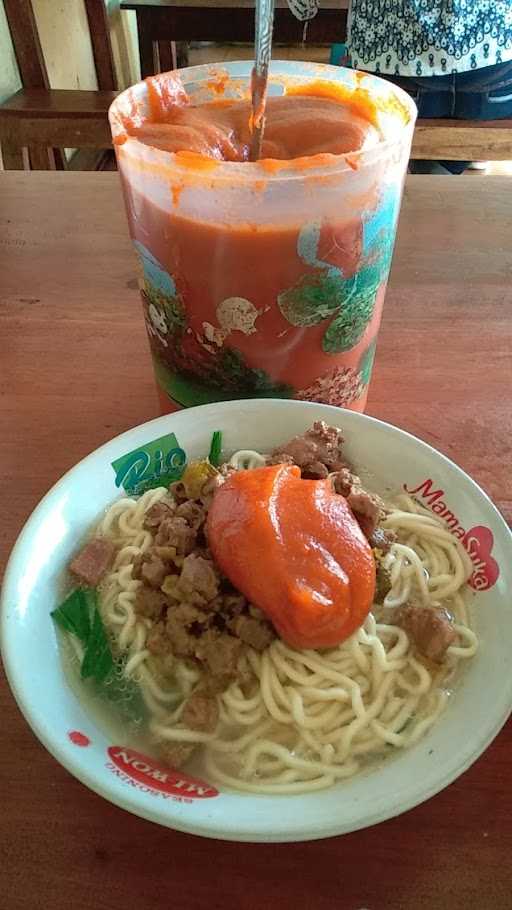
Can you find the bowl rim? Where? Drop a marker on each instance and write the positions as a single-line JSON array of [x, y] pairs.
[[214, 830]]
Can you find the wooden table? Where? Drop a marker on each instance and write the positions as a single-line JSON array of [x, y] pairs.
[[162, 21], [76, 372]]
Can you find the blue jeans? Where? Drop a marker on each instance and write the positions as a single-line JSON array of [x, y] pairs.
[[480, 94]]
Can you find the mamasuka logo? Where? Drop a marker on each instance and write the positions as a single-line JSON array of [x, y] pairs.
[[150, 775], [477, 541]]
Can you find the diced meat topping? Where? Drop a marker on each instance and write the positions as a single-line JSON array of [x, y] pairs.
[[193, 513], [235, 604], [214, 685], [200, 712], [178, 492], [93, 561], [220, 652], [199, 577], [254, 632], [342, 481], [165, 553], [150, 603], [153, 570], [184, 625], [368, 508], [156, 514], [430, 629], [176, 532], [317, 452]]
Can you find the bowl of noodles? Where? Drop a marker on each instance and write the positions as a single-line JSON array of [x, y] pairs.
[[262, 621]]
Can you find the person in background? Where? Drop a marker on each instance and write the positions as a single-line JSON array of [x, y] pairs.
[[453, 56]]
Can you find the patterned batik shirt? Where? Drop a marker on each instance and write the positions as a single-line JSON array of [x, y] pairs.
[[429, 37]]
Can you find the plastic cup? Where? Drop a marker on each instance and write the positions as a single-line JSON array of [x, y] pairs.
[[268, 278]]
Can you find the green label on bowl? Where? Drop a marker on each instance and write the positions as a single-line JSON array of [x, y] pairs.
[[156, 464]]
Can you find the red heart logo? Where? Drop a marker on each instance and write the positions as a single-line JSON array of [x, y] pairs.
[[478, 542]]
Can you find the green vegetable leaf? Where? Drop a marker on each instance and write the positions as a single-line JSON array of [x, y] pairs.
[[97, 660], [215, 448], [80, 616], [73, 615]]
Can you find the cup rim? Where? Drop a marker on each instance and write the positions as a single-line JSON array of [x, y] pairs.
[[248, 172]]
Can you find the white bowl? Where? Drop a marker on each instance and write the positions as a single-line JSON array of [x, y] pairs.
[[33, 583]]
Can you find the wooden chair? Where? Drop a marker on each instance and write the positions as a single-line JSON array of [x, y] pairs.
[[37, 122]]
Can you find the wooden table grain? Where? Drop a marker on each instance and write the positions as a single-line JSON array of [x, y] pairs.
[[74, 372]]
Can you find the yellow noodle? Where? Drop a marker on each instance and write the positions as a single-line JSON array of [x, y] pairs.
[[309, 717]]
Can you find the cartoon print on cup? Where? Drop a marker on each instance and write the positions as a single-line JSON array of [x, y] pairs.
[[157, 325], [197, 367], [163, 308], [342, 273], [234, 314]]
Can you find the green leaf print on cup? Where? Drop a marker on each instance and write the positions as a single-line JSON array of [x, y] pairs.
[[314, 298], [348, 327], [366, 362], [324, 292]]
